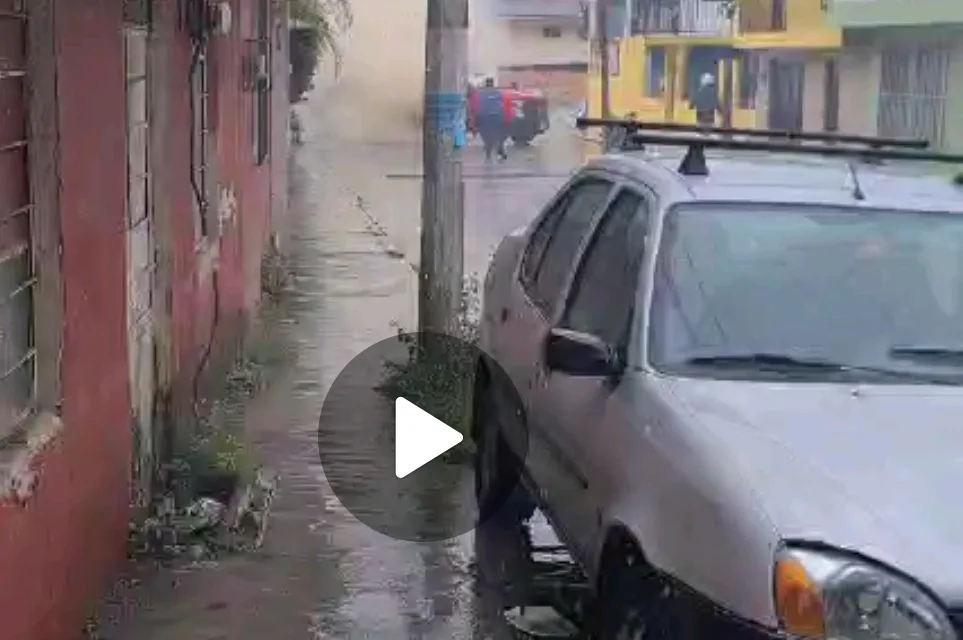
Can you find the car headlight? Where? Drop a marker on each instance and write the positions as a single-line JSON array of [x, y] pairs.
[[834, 596]]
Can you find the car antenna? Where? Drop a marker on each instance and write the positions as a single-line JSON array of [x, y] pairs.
[[858, 192]]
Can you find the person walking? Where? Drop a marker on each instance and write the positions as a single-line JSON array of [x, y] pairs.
[[490, 120], [706, 101]]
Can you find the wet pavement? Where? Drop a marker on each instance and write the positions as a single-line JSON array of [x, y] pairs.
[[322, 574]]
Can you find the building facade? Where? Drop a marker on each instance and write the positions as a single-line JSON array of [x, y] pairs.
[[901, 68], [769, 58], [137, 166], [541, 45]]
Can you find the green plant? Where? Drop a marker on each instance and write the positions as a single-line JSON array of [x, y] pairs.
[[327, 19], [438, 375]]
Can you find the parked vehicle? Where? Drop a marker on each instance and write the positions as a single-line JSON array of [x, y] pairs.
[[740, 395], [527, 114]]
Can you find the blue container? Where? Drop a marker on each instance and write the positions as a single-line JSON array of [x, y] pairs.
[[446, 110]]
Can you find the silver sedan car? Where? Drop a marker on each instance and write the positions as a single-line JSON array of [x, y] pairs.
[[736, 396]]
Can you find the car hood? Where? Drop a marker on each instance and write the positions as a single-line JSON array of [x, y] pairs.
[[873, 469]]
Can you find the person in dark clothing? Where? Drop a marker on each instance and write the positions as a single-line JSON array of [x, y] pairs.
[[490, 120], [706, 101]]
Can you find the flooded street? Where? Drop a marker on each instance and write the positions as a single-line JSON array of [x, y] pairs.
[[351, 283], [355, 207]]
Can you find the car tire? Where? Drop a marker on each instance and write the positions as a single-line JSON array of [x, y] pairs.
[[635, 603], [498, 491]]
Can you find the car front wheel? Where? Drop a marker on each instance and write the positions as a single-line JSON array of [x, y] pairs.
[[635, 603]]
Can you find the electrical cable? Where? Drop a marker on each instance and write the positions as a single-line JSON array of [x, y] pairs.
[[202, 205]]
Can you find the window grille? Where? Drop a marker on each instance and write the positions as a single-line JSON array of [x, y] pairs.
[[18, 388]]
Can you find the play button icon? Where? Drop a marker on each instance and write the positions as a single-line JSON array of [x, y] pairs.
[[419, 437], [399, 454]]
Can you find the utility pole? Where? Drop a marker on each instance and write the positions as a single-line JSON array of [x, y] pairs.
[[443, 192], [602, 43]]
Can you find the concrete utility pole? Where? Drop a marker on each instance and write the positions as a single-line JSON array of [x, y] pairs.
[[442, 191], [602, 43]]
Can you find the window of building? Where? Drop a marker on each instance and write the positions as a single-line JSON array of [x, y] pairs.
[[551, 32], [18, 392], [655, 72], [748, 66], [702, 60], [17, 346], [914, 78], [778, 15], [262, 82]]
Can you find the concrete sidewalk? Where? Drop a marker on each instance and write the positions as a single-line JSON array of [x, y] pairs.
[[354, 247], [346, 292]]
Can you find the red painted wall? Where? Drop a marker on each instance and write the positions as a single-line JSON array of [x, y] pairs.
[[244, 233], [59, 550], [61, 546]]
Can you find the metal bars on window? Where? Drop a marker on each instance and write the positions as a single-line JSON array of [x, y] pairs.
[[139, 219], [18, 353], [912, 90], [679, 17]]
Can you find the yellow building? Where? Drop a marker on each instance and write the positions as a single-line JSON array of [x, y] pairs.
[[774, 61]]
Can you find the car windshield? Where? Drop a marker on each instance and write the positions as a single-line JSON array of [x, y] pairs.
[[808, 284]]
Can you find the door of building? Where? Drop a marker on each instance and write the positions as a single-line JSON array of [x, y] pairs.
[[786, 77], [913, 89]]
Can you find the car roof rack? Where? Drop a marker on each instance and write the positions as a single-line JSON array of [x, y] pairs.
[[864, 148], [632, 126]]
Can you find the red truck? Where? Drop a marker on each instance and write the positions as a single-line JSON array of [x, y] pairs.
[[526, 113]]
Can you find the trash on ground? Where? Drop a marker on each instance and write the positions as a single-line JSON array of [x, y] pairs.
[[207, 528]]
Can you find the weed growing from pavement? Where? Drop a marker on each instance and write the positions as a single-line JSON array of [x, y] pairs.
[[212, 464], [441, 380], [217, 447]]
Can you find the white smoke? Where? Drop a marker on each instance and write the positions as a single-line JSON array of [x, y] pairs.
[[383, 66]]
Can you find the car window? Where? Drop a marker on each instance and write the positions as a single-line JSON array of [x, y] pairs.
[[555, 243], [603, 293], [815, 282]]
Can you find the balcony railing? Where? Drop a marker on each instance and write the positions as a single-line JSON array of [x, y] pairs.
[[679, 17]]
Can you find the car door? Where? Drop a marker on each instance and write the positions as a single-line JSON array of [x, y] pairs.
[[548, 259], [571, 412]]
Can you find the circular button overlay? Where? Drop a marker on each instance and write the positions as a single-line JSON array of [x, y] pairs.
[[397, 436]]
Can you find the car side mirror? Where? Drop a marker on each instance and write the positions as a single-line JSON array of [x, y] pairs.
[[580, 354]]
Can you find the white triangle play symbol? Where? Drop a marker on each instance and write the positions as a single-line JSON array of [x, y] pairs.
[[419, 437]]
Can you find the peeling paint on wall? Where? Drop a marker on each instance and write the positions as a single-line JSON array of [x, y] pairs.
[[226, 206], [19, 474]]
